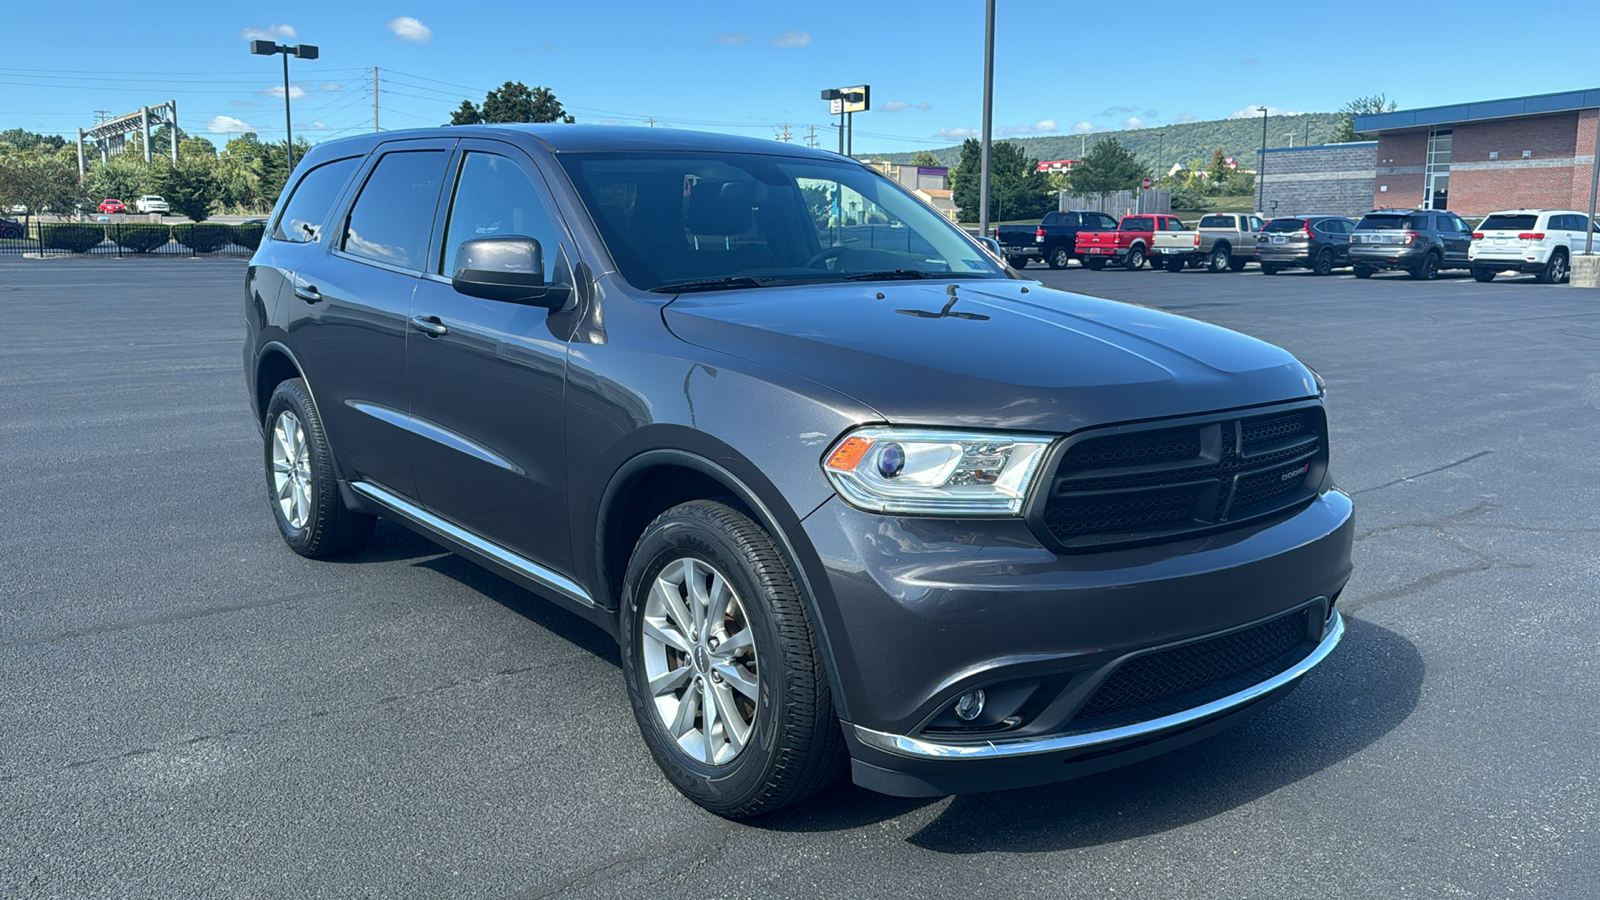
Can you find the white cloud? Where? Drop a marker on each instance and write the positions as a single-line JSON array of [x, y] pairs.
[[1083, 128], [407, 28], [957, 134], [295, 91], [228, 125], [923, 106], [1251, 112], [895, 106], [732, 40], [1043, 126], [1133, 122], [330, 87], [269, 33], [1185, 117], [792, 39], [318, 125]]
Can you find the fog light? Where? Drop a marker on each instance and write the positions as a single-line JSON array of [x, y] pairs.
[[969, 706]]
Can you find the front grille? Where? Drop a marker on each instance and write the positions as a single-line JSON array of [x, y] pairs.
[[1185, 670], [1163, 481]]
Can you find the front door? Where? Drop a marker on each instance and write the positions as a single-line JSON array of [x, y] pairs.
[[487, 380]]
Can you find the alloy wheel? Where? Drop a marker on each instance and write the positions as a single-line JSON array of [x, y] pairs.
[[700, 659], [291, 470]]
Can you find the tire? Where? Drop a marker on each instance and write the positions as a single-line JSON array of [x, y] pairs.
[[1484, 275], [1554, 271], [301, 484], [1361, 272], [1059, 258], [1270, 268], [1323, 264], [1094, 263], [1219, 258], [773, 683], [1135, 260], [1237, 263], [1427, 270], [1175, 264], [1017, 262]]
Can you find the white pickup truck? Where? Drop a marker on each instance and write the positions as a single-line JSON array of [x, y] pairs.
[[1222, 241]]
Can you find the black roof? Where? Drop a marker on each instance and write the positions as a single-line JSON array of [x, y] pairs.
[[562, 138]]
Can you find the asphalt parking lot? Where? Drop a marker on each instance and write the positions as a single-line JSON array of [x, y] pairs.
[[189, 709]]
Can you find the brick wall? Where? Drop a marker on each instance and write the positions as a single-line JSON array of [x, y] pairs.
[[1401, 158], [1333, 179], [1588, 119], [1544, 178]]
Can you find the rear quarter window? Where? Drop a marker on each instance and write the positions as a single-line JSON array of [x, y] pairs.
[[309, 204]]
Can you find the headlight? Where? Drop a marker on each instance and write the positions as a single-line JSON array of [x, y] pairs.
[[1322, 386], [950, 473]]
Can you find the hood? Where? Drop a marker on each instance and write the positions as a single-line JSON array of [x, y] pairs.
[[992, 354]]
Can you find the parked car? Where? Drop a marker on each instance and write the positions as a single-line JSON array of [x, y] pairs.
[[1318, 243], [1420, 242], [879, 507], [11, 228], [1220, 241], [112, 206], [1054, 240], [1130, 245], [18, 209], [1541, 241], [150, 203]]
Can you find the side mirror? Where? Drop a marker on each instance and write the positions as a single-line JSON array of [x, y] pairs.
[[993, 246], [508, 269]]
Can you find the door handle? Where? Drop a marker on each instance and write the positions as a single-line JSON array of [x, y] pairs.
[[306, 291], [430, 325]]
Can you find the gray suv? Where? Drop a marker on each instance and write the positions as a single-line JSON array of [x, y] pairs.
[[848, 494], [1420, 242]]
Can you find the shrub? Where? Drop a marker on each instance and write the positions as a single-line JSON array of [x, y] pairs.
[[141, 238], [203, 238], [76, 238], [249, 235]]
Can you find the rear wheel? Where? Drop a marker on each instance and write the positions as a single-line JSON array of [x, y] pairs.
[[1219, 259], [1017, 262], [723, 669], [1427, 270], [1362, 272], [301, 483], [1270, 268], [1095, 263], [1059, 258], [1324, 262], [1135, 260], [1484, 275], [1554, 271]]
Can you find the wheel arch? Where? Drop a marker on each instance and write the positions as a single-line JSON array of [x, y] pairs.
[[275, 364]]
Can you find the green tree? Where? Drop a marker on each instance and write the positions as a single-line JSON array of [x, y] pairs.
[[927, 159], [1017, 189], [513, 102], [1108, 167], [196, 147], [120, 177], [191, 186], [38, 180], [1361, 106], [17, 140]]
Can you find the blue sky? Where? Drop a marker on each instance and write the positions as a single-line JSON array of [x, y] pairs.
[[1061, 68]]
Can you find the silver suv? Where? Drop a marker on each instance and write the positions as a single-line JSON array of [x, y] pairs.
[[1420, 242]]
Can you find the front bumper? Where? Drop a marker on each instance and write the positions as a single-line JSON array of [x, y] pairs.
[[925, 610]]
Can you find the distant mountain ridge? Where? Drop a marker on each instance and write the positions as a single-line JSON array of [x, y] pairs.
[[1239, 138]]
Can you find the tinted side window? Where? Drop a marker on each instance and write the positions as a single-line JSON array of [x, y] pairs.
[[392, 219], [494, 197], [1256, 223], [308, 206], [1563, 223], [1106, 223], [1055, 218]]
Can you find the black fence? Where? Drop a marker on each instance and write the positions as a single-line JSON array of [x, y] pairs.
[[129, 239]]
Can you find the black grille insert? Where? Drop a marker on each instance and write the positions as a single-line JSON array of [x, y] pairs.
[[1166, 481], [1211, 663]]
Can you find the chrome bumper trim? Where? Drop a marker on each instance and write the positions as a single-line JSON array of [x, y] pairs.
[[529, 569], [918, 748]]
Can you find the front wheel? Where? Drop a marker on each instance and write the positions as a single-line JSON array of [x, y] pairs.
[[301, 483], [1219, 259], [1554, 271], [1059, 258], [1270, 268], [1483, 275], [722, 666]]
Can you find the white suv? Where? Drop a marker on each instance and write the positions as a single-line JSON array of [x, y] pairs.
[[1541, 241], [150, 203]]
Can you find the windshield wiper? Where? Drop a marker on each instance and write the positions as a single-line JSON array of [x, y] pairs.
[[890, 275], [712, 284]]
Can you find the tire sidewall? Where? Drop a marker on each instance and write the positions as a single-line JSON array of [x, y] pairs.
[[1060, 258], [292, 396], [736, 783], [1219, 259]]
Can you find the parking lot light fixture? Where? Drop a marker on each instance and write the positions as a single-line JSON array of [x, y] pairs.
[[304, 51]]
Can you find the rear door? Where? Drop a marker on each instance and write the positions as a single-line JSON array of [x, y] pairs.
[[1457, 238], [487, 377]]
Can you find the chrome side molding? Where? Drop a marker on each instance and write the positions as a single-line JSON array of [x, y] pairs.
[[919, 748], [523, 566]]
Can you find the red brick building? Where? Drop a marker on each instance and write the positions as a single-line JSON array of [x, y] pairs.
[[1475, 158]]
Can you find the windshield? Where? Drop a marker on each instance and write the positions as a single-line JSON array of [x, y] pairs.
[[708, 220]]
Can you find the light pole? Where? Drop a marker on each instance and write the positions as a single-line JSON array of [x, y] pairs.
[[1290, 135], [1161, 150], [988, 119], [304, 51], [1261, 168]]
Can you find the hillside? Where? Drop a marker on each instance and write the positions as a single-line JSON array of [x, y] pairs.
[[1239, 138]]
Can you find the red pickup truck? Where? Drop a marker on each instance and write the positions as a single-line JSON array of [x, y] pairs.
[[1130, 245]]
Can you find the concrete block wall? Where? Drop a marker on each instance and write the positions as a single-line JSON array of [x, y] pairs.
[[1331, 179]]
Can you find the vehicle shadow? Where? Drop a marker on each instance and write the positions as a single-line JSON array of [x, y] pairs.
[[1363, 691]]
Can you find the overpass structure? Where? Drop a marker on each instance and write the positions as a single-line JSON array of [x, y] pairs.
[[111, 136]]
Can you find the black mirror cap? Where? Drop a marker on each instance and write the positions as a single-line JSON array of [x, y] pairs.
[[508, 269]]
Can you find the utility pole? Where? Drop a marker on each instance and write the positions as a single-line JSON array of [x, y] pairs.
[[988, 119], [1161, 152], [100, 115], [375, 127], [650, 122], [783, 134], [811, 137], [1261, 168]]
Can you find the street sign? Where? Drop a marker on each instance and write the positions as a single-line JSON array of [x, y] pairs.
[[856, 99], [1145, 184]]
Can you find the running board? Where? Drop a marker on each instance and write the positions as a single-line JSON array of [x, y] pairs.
[[457, 536]]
